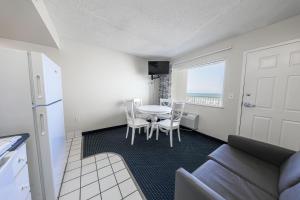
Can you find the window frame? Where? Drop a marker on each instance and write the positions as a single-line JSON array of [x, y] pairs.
[[223, 88]]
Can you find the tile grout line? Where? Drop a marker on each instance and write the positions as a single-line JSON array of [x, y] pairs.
[[108, 156], [59, 194], [72, 179], [74, 161], [72, 169], [99, 185], [115, 176], [80, 181], [98, 178], [80, 169], [69, 192], [131, 193]]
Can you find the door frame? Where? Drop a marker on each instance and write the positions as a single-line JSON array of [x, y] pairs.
[[242, 84]]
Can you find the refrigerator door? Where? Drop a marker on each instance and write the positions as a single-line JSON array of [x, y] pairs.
[[51, 139], [16, 108], [46, 78]]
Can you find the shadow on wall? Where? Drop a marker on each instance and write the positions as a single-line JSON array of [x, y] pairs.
[[113, 119], [141, 66]]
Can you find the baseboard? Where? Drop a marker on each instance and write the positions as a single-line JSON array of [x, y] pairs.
[[73, 134], [204, 134], [124, 125], [103, 129]]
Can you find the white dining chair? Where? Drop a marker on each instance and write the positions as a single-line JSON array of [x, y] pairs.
[[133, 122], [137, 103], [165, 102], [172, 124]]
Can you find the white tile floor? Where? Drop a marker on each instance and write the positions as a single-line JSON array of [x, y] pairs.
[[103, 176]]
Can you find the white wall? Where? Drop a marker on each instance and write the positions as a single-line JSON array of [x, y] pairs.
[[219, 122], [95, 82]]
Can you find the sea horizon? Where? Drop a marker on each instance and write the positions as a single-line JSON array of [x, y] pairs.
[[214, 95]]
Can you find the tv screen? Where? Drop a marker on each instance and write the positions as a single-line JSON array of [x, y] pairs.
[[158, 67]]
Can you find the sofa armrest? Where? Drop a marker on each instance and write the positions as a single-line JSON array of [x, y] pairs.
[[189, 187], [264, 151]]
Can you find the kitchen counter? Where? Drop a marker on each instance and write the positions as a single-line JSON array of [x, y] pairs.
[[14, 178], [24, 137]]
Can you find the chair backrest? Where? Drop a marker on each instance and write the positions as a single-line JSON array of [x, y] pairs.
[[137, 102], [166, 102], [129, 110], [177, 111]]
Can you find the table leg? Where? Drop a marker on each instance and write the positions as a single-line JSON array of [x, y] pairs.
[[154, 119]]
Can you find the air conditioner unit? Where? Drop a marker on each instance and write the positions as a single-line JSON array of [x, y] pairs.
[[190, 120]]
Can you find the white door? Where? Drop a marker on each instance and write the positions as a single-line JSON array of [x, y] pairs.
[[46, 75], [51, 134], [271, 102]]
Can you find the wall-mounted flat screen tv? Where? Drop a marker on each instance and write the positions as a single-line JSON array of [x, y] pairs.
[[158, 67]]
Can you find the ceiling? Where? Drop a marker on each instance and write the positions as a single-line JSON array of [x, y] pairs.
[[163, 28], [20, 20]]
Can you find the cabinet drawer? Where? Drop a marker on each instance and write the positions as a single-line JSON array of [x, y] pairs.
[[19, 160], [15, 188], [22, 183]]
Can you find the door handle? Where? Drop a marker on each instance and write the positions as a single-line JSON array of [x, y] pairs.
[[249, 105]]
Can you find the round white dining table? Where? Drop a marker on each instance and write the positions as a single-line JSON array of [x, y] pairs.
[[154, 109]]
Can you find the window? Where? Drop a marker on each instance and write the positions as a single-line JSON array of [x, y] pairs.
[[205, 84]]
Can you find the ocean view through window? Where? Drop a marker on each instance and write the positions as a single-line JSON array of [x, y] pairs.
[[205, 84]]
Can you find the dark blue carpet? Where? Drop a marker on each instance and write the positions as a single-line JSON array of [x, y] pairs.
[[153, 163]]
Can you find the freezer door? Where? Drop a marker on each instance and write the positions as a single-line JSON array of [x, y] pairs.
[[46, 79], [51, 139]]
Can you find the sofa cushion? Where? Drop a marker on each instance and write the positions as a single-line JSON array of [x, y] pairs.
[[227, 184], [189, 187], [291, 193], [262, 174], [289, 172]]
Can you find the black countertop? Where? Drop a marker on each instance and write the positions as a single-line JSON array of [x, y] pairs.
[[24, 137]]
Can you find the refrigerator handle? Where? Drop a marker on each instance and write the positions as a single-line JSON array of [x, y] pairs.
[[38, 86], [42, 124]]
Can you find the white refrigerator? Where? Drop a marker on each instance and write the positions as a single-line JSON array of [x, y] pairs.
[[31, 102]]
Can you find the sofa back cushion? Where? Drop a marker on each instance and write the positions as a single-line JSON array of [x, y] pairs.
[[289, 172], [291, 193]]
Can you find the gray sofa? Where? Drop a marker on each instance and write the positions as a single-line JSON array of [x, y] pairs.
[[243, 169]]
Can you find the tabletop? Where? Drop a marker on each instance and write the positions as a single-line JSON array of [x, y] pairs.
[[154, 109]]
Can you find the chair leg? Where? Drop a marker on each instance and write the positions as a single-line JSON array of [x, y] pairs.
[[151, 131], [127, 132], [178, 132], [147, 134], [171, 138], [139, 130], [157, 132], [132, 136]]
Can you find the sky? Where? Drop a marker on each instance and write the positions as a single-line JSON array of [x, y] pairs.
[[206, 79]]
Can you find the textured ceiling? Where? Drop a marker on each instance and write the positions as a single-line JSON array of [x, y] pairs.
[[163, 28]]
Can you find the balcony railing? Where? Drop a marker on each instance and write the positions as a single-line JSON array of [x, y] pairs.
[[205, 100]]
